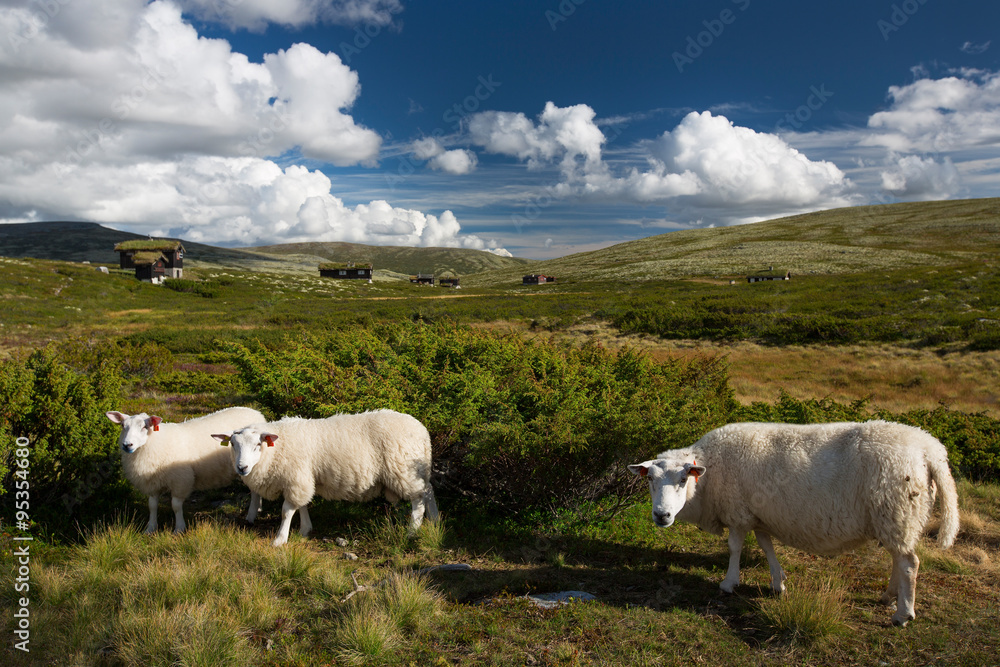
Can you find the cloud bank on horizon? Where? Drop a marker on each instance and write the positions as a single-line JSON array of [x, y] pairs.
[[134, 114]]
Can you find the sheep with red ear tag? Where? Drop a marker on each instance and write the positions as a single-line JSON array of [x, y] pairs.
[[178, 458], [822, 488], [345, 457]]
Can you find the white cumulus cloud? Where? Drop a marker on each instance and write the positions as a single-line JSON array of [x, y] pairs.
[[914, 177], [937, 115], [121, 113], [458, 161]]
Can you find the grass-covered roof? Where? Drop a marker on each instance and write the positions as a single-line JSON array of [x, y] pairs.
[[161, 245], [333, 266]]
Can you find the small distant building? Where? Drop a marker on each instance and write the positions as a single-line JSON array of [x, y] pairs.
[[423, 279], [152, 259], [150, 267], [769, 275], [537, 279], [448, 282], [348, 271]]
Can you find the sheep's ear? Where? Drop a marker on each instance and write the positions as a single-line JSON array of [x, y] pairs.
[[695, 470], [640, 469], [222, 438], [154, 423], [269, 438], [117, 417]]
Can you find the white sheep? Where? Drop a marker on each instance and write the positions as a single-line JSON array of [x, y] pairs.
[[822, 488], [179, 458], [352, 457]]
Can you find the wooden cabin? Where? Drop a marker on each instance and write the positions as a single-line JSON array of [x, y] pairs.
[[769, 275], [348, 271], [537, 279], [150, 266], [145, 252], [448, 282], [423, 279]]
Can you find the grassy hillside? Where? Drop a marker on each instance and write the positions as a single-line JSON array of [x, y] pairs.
[[91, 242], [847, 240], [459, 261]]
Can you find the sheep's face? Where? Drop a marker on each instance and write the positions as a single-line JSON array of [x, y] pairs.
[[135, 429], [668, 486], [247, 446]]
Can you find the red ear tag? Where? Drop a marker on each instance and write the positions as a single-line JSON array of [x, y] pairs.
[[695, 474], [645, 471], [156, 427], [270, 440]]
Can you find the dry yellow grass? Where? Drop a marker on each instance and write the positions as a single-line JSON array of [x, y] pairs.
[[895, 378]]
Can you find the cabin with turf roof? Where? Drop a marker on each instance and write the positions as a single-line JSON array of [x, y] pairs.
[[423, 279], [537, 279], [346, 271], [152, 259], [770, 274]]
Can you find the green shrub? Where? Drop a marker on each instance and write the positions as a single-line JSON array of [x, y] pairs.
[[522, 424], [73, 446], [209, 290]]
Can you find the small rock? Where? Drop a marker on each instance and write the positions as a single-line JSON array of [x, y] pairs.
[[350, 556], [553, 600], [341, 542]]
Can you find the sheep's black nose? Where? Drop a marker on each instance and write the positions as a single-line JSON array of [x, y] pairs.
[[242, 469], [661, 517]]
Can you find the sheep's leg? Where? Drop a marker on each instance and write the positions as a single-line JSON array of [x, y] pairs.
[[154, 504], [431, 503], [892, 589], [255, 503], [416, 511], [287, 512], [177, 504], [907, 564], [736, 538], [777, 574], [305, 524]]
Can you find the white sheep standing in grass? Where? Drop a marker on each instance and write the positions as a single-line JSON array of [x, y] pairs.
[[179, 458], [822, 488], [352, 457]]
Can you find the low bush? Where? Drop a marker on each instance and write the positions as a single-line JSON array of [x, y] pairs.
[[74, 466], [516, 423]]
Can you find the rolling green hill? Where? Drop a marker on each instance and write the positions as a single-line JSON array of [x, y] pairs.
[[400, 260], [846, 240]]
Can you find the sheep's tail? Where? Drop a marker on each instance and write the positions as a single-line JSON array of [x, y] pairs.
[[430, 503], [949, 499]]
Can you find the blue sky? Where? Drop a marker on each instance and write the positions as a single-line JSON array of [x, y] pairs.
[[536, 128]]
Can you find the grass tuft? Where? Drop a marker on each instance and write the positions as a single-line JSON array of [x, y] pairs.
[[807, 614]]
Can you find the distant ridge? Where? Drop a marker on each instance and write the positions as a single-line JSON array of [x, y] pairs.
[[87, 242], [92, 242], [399, 259]]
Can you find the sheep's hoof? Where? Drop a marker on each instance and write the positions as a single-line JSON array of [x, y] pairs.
[[901, 621], [150, 530], [727, 587]]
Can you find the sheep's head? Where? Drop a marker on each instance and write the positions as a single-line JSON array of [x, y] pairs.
[[135, 429], [245, 445], [668, 486]]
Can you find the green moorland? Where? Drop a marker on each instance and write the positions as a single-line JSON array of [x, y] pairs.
[[531, 436]]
